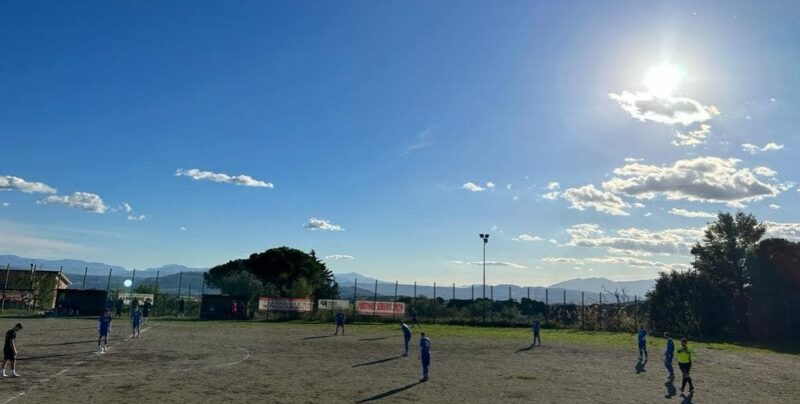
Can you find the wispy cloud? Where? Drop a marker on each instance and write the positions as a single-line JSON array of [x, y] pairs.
[[676, 241], [20, 241], [492, 264], [338, 257], [789, 231], [80, 200], [315, 224], [691, 213], [692, 138], [136, 218], [527, 237], [630, 261], [11, 183], [423, 140], [241, 180], [753, 149]]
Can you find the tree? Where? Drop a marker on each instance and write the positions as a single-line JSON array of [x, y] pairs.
[[775, 273], [722, 257], [284, 271]]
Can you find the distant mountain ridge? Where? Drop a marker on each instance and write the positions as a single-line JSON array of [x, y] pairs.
[[571, 291], [93, 268]]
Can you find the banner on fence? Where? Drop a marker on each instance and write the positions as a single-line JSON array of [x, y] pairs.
[[380, 308], [127, 298], [281, 304], [333, 304]]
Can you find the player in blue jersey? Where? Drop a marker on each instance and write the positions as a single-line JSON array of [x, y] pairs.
[[103, 329], [136, 320], [642, 337], [339, 322], [406, 337], [424, 355], [668, 355], [535, 327]]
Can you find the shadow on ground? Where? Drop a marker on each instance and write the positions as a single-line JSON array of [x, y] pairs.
[[378, 361], [388, 393]]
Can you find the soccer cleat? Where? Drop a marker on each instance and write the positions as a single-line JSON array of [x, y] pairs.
[[4, 373], [15, 374]]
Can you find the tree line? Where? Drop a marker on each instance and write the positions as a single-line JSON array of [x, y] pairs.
[[740, 287]]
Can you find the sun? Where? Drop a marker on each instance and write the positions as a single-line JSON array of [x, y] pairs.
[[663, 80]]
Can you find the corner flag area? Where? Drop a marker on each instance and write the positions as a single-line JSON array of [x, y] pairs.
[[193, 361]]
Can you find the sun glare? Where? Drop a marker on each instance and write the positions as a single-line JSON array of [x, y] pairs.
[[663, 80]]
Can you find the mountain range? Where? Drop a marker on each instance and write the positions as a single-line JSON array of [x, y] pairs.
[[570, 291]]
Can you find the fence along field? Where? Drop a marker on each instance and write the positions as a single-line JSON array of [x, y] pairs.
[[507, 305]]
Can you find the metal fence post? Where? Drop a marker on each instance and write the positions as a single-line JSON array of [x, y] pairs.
[[375, 299], [155, 295], [355, 291], [108, 284], [394, 302], [583, 313], [5, 287], [85, 271]]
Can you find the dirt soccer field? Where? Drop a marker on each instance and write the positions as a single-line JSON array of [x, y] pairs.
[[192, 362]]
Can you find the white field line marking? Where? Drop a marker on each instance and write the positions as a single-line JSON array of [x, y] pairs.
[[42, 381]]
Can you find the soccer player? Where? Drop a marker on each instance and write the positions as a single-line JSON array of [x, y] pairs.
[[642, 342], [406, 337], [536, 337], [118, 306], [339, 322], [668, 353], [146, 310], [424, 355], [103, 329], [181, 307], [136, 319], [10, 350], [685, 355]]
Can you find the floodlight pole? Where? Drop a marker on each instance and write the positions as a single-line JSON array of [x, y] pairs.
[[485, 238]]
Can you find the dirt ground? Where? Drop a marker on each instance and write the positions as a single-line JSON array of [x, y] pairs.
[[191, 362]]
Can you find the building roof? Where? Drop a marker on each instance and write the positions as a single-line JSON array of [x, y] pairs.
[[14, 274]]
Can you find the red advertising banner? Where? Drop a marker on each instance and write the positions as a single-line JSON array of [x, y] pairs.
[[370, 307], [281, 304]]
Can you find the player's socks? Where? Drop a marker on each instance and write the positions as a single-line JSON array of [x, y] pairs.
[[15, 374], [4, 373]]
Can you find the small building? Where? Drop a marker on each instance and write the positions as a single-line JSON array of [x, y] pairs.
[[22, 287]]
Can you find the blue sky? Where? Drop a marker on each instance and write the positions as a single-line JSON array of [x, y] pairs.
[[387, 135]]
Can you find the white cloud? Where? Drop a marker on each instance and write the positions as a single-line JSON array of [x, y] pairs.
[[774, 206], [136, 218], [125, 207], [508, 187], [588, 196], [753, 149], [495, 264], [242, 180], [81, 200], [338, 257], [490, 185], [6, 204], [648, 214], [789, 231], [670, 241], [632, 160], [473, 187], [527, 237], [322, 224], [630, 261], [639, 205], [552, 186], [11, 183], [515, 198], [552, 195], [182, 228], [765, 171], [703, 179], [691, 213], [693, 137], [668, 110], [628, 253]]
